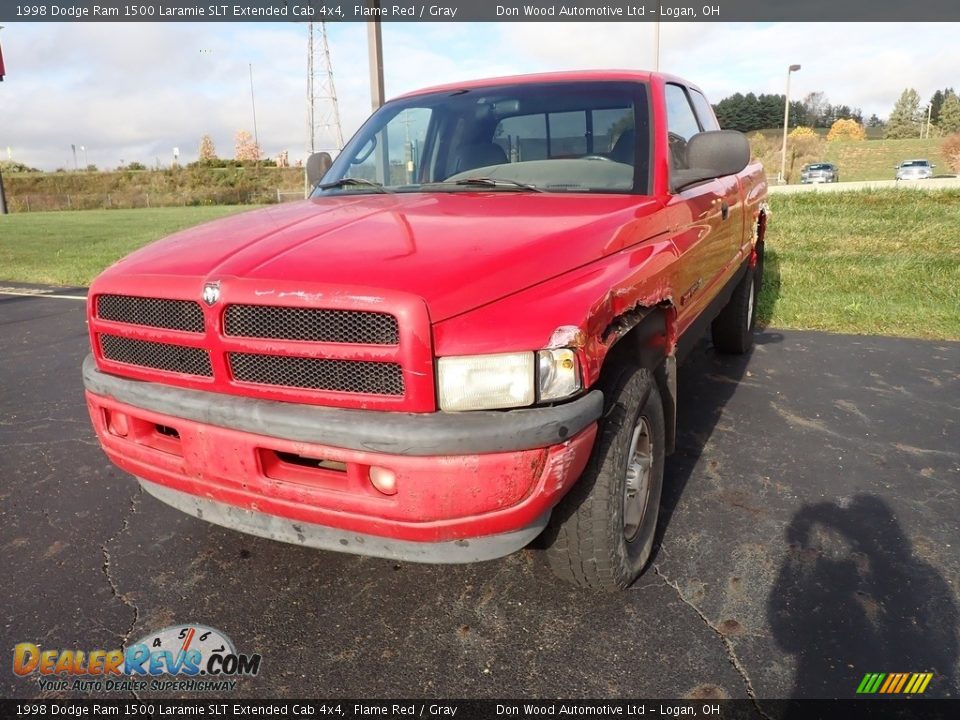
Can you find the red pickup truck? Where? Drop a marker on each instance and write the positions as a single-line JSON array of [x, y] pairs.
[[465, 338]]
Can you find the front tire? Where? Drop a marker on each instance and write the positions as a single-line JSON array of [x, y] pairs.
[[603, 530]]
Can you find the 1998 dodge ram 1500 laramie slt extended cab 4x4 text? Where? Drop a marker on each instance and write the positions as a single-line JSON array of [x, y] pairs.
[[466, 337]]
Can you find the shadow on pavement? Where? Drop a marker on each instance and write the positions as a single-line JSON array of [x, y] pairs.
[[852, 598], [699, 407]]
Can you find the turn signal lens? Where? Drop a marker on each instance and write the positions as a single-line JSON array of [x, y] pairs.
[[383, 480]]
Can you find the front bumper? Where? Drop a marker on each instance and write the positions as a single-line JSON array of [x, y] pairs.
[[470, 486]]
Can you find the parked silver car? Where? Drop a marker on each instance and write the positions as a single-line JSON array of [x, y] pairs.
[[820, 173], [914, 170]]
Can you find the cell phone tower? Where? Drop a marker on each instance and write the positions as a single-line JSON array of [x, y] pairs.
[[324, 131]]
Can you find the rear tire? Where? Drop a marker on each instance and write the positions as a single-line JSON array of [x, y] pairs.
[[732, 329], [603, 530]]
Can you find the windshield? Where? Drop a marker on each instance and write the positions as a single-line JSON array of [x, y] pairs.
[[821, 166], [548, 137], [916, 163]]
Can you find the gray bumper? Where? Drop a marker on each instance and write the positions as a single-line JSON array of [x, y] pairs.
[[325, 538], [395, 433]]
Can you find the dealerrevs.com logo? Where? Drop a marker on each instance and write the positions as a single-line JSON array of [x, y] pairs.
[[180, 658]]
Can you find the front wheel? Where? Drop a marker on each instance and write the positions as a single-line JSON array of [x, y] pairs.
[[603, 531]]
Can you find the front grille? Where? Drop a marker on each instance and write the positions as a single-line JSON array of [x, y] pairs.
[[183, 315], [335, 326], [350, 376], [160, 356]]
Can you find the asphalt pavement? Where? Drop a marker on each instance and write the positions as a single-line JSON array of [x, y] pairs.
[[809, 535]]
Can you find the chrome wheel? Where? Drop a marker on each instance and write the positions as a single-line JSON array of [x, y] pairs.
[[636, 489]]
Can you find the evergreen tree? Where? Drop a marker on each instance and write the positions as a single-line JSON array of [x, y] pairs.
[[949, 120], [904, 118]]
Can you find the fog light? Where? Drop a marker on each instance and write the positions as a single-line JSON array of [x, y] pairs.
[[384, 480], [117, 423]]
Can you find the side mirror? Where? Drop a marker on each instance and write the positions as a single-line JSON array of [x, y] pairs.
[[317, 166], [710, 155]]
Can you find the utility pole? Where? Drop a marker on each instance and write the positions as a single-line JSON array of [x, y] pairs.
[[656, 46], [375, 49], [253, 103]]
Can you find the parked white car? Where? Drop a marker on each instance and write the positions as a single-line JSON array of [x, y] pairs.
[[914, 170]]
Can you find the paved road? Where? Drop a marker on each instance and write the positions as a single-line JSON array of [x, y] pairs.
[[809, 536], [931, 184]]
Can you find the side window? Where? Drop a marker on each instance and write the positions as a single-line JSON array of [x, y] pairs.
[[681, 125], [704, 112], [396, 157]]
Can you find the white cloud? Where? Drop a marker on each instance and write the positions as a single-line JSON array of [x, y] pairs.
[[136, 91]]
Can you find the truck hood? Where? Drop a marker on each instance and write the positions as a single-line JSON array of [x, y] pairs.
[[457, 250]]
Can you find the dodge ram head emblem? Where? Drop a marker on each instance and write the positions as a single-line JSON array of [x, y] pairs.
[[211, 293]]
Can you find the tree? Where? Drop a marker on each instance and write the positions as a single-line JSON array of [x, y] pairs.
[[245, 149], [875, 122], [951, 150], [904, 118], [816, 106], [207, 149], [949, 121], [846, 129], [798, 133]]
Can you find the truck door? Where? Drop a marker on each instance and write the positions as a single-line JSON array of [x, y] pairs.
[[710, 217]]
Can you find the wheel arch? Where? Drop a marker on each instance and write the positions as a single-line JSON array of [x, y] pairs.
[[647, 335]]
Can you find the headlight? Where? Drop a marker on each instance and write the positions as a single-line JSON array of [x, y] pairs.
[[507, 380]]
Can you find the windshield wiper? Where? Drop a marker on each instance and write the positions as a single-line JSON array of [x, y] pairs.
[[352, 182], [497, 183]]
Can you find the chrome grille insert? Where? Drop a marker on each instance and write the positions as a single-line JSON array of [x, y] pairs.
[[160, 356], [311, 324], [184, 315], [350, 376]]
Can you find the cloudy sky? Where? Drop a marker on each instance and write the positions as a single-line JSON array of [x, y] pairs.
[[135, 91]]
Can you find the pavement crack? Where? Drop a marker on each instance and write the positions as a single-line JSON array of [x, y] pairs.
[[107, 571], [728, 646]]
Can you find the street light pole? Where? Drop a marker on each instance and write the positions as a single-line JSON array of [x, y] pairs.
[[786, 119]]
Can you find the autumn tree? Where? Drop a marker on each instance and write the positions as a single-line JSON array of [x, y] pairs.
[[245, 149], [801, 132], [951, 151], [904, 118], [949, 120], [207, 149], [846, 129]]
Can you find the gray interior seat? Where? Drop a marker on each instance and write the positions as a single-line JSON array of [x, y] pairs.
[[624, 149], [478, 155]]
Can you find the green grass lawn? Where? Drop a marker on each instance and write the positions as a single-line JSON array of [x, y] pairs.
[[71, 248], [869, 262], [876, 159], [882, 262]]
